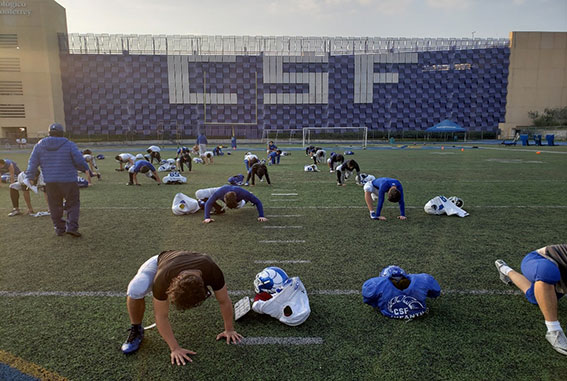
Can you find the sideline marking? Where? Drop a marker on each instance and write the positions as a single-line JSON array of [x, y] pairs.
[[28, 368], [284, 194], [19, 294], [283, 227], [281, 341], [522, 150], [283, 200], [287, 261], [289, 241]]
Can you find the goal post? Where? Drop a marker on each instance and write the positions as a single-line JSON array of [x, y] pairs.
[[353, 135]]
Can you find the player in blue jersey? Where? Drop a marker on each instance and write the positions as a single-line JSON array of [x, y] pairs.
[[10, 166], [378, 188], [232, 195], [144, 167], [543, 280], [399, 295]]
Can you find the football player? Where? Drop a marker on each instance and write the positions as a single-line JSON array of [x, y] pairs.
[[249, 160], [10, 166], [319, 156], [124, 158], [154, 152], [258, 169], [399, 295], [181, 278], [144, 167], [344, 171], [232, 196], [377, 189], [334, 161], [543, 280], [207, 157], [20, 185]]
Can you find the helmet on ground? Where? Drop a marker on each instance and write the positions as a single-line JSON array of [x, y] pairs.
[[140, 157], [393, 271], [271, 280], [457, 201]]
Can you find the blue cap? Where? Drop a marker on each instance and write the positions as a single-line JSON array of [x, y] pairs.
[[56, 127]]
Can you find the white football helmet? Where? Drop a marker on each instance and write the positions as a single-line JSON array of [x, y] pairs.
[[459, 203], [271, 280]]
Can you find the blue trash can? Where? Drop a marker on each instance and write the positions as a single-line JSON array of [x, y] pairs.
[[550, 140], [524, 139]]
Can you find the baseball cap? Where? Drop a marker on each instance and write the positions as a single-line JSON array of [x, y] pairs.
[[56, 127]]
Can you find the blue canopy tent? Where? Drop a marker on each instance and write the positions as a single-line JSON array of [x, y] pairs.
[[446, 127]]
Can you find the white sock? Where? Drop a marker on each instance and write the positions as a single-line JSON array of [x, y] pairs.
[[553, 326], [505, 270]]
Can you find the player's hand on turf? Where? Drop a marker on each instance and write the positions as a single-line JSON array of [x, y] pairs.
[[382, 218], [207, 220], [180, 356], [402, 217], [233, 336], [262, 219]]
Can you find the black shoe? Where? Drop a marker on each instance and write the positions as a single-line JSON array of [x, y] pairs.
[[73, 233]]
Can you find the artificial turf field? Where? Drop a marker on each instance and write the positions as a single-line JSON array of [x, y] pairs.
[[478, 329]]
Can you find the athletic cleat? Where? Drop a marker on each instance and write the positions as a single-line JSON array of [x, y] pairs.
[[558, 341], [14, 212], [134, 340], [373, 215], [73, 233], [504, 278]]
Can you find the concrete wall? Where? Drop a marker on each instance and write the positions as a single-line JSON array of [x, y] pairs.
[[537, 77], [36, 24]]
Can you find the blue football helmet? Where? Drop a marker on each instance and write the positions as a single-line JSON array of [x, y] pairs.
[[393, 271], [271, 280]]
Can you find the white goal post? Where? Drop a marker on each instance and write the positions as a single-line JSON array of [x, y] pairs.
[[354, 135]]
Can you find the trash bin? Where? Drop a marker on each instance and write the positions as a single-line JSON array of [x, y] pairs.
[[550, 140], [537, 139], [524, 139]]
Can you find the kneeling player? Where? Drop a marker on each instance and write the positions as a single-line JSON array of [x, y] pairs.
[[208, 157], [319, 156], [334, 161], [543, 280], [280, 296], [181, 278], [125, 158], [399, 295]]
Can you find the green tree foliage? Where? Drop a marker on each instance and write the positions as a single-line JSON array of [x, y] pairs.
[[549, 117]]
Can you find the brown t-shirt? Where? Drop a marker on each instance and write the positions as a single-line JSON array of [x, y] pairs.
[[172, 262]]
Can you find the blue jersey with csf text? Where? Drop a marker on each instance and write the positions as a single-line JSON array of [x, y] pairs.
[[392, 302]]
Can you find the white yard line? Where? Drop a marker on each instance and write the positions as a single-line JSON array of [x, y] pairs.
[[282, 241], [284, 194], [114, 294], [283, 200], [283, 215], [281, 341], [283, 227]]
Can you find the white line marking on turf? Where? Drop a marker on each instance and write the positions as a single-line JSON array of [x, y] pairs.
[[283, 227], [283, 200], [281, 341], [114, 294], [283, 215], [287, 261], [284, 194], [289, 241], [522, 150]]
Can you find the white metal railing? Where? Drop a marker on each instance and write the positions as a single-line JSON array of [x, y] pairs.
[[75, 43]]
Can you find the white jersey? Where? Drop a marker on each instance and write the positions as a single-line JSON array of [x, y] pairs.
[[320, 156], [22, 182], [174, 178], [441, 205], [208, 154], [154, 149], [250, 157], [183, 204], [291, 301], [125, 157], [167, 167]]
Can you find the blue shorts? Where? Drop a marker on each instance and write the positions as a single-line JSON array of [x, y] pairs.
[[537, 268]]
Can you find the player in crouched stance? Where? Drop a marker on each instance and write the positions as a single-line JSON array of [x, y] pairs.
[[543, 280], [232, 197], [377, 189], [181, 278], [399, 295]]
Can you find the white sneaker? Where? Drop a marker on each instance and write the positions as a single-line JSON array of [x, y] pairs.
[[558, 341], [504, 278], [14, 212]]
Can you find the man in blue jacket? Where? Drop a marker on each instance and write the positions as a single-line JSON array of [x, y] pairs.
[[202, 143], [232, 195], [59, 159]]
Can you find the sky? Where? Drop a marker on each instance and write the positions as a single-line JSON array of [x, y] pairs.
[[328, 18]]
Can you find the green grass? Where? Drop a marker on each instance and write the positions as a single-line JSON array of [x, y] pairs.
[[516, 200]]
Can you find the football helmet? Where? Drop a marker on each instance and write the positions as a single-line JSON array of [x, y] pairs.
[[457, 201], [364, 178], [140, 157], [392, 271], [271, 280]]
